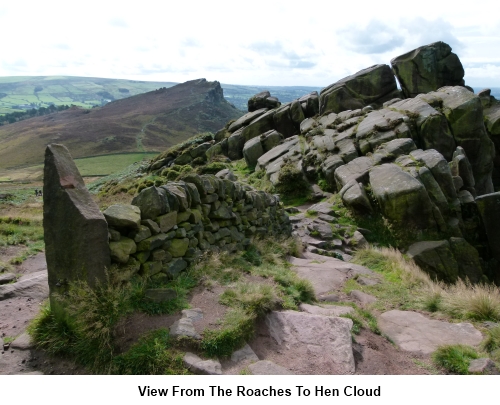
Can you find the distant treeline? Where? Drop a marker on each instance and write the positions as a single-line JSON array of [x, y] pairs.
[[16, 116]]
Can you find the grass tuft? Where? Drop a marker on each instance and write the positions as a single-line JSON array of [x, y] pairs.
[[153, 354], [455, 358]]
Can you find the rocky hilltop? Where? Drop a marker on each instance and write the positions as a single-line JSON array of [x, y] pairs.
[[422, 157], [146, 122]]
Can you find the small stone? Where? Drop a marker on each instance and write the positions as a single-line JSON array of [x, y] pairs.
[[483, 366], [362, 297]]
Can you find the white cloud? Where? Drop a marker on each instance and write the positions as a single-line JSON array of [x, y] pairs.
[[263, 43]]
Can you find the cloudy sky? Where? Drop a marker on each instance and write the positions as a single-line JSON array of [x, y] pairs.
[[241, 42]]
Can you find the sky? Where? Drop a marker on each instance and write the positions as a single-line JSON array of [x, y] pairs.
[[281, 43]]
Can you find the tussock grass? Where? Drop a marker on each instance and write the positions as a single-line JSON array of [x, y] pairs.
[[253, 298], [154, 354], [24, 232], [236, 328], [480, 302], [406, 286], [492, 340], [455, 358]]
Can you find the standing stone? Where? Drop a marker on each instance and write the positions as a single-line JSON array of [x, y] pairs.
[[75, 231]]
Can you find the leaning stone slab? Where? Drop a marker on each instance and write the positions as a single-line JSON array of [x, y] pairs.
[[199, 366], [75, 231], [415, 333], [266, 367], [327, 338]]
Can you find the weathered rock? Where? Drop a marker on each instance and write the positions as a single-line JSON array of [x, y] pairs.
[[374, 84], [167, 222], [362, 298], [184, 327], [175, 266], [326, 310], [483, 366], [464, 113], [266, 367], [262, 100], [489, 208], [244, 354], [246, 119], [354, 196], [312, 104], [432, 129], [252, 151], [199, 366], [436, 259], [178, 247], [32, 285], [326, 273], [328, 339], [401, 198], [6, 278], [121, 216], [415, 333], [356, 170], [258, 126], [121, 250], [142, 233], [428, 68], [152, 202], [22, 342], [152, 225], [75, 231], [467, 257]]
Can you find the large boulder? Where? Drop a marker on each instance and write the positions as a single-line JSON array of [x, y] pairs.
[[152, 202], [436, 259], [326, 339], [401, 197], [489, 208], [75, 230], [374, 84], [262, 100], [428, 68]]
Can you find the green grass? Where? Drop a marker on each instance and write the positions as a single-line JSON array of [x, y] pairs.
[[455, 358], [107, 164], [235, 329], [22, 232], [181, 285], [153, 354]]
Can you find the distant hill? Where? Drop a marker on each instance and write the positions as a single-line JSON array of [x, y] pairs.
[[152, 121], [18, 93], [21, 93]]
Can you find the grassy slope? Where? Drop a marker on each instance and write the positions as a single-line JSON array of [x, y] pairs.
[[81, 91], [147, 122]]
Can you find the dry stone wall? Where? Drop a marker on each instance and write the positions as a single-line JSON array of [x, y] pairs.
[[168, 227]]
